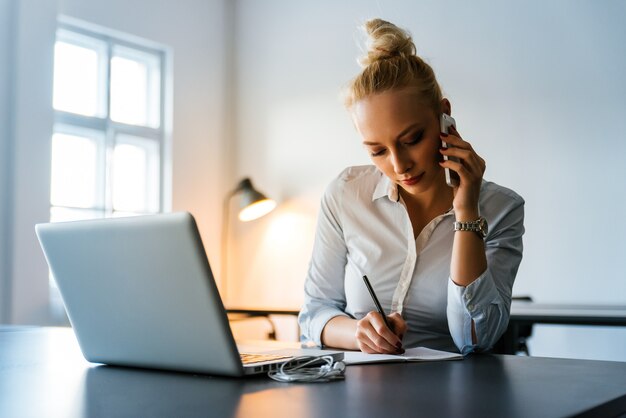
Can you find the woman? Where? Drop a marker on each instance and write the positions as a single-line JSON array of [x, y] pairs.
[[395, 222]]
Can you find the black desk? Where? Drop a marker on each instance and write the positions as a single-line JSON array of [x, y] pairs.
[[42, 374]]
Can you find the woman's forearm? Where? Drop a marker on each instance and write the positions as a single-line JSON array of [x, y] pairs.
[[340, 332], [468, 253]]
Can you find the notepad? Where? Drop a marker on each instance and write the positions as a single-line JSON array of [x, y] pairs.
[[410, 355]]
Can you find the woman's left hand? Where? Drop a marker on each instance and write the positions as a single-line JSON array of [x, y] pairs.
[[470, 169]]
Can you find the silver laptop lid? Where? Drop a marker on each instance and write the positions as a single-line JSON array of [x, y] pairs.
[[139, 292]]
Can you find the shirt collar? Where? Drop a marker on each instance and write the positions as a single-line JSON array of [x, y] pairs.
[[385, 187]]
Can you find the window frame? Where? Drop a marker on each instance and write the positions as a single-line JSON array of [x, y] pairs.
[[110, 128]]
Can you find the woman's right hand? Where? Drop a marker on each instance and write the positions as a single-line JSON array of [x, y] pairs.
[[373, 336]]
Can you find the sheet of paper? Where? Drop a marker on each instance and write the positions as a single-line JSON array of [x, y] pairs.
[[428, 354], [411, 354]]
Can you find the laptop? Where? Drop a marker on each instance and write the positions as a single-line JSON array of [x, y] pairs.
[[139, 292]]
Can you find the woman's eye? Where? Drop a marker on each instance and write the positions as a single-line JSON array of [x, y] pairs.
[[415, 139], [377, 153]]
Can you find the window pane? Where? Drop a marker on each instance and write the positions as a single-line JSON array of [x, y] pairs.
[[74, 166], [79, 74], [135, 175], [135, 87]]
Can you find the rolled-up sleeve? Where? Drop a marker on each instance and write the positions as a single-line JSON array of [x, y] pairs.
[[324, 293], [487, 300]]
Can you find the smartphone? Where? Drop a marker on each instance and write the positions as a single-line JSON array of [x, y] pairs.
[[452, 178]]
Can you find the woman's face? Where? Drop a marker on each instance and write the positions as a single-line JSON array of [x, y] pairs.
[[401, 134]]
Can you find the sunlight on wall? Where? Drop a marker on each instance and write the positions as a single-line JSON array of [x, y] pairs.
[[272, 259]]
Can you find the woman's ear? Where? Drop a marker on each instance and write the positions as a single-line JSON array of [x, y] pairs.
[[446, 107]]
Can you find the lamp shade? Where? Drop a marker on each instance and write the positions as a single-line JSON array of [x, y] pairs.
[[253, 204]]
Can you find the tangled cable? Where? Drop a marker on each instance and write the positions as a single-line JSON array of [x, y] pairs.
[[309, 369]]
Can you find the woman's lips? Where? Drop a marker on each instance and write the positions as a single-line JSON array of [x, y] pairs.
[[413, 180]]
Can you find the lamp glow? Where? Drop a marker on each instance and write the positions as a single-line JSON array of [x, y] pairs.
[[256, 210]]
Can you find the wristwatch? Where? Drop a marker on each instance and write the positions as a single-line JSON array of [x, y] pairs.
[[479, 226]]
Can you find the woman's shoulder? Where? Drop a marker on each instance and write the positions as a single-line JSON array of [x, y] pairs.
[[359, 173], [496, 201], [356, 181], [490, 190], [356, 177]]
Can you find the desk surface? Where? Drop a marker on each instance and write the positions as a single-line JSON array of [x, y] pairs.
[[43, 374]]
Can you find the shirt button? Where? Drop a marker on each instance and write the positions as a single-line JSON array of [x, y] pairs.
[[468, 296], [470, 307]]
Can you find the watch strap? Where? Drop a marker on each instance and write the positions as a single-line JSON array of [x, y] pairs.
[[479, 226]]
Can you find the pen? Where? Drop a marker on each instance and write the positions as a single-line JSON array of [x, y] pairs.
[[376, 302]]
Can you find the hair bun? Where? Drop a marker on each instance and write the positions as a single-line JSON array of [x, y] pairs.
[[386, 40]]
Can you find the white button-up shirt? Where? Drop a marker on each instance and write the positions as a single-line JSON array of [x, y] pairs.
[[364, 229]]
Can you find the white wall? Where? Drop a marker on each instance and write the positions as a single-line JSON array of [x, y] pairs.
[[28, 77], [6, 117], [196, 31], [537, 87]]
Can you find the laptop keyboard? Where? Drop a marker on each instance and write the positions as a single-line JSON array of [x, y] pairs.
[[259, 358]]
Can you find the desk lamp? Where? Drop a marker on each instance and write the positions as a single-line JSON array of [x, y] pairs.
[[253, 205]]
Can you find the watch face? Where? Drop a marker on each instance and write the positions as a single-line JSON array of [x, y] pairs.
[[482, 224]]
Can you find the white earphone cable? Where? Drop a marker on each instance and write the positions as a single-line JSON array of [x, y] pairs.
[[308, 369]]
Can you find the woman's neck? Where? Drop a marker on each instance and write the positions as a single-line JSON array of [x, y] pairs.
[[429, 204], [425, 207]]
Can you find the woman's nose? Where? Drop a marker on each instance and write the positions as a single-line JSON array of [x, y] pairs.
[[401, 162]]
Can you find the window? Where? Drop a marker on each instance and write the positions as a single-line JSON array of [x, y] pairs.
[[109, 137]]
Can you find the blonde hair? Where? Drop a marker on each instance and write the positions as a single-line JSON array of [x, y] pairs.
[[391, 63]]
